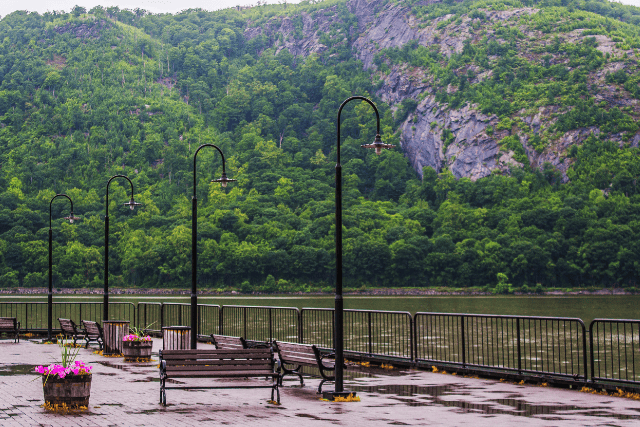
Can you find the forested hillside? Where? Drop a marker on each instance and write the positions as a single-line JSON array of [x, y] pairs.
[[516, 126]]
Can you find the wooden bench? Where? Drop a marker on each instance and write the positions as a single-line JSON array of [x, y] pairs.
[[93, 332], [237, 363], [10, 325], [300, 355], [69, 329], [226, 342]]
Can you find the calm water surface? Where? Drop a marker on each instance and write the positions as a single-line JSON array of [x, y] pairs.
[[584, 307]]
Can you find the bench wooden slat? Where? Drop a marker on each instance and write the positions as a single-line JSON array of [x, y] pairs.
[[214, 356], [171, 368], [307, 361], [207, 352], [295, 348], [217, 362], [224, 374]]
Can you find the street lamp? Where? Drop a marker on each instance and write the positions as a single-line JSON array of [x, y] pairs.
[[70, 218], [378, 145], [132, 204], [223, 180]]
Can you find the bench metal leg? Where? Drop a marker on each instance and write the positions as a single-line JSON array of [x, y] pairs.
[[320, 386], [277, 390], [295, 371]]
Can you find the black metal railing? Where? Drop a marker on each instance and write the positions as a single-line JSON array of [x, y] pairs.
[[208, 319], [366, 332], [175, 314], [522, 344], [33, 315], [615, 351], [260, 323], [150, 316]]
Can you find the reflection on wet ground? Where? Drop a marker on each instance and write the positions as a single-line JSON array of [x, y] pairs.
[[414, 395], [393, 397], [17, 370]]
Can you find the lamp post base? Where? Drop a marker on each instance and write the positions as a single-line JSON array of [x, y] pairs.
[[332, 394], [53, 340]]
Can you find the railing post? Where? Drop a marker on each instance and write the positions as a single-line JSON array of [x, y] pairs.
[[300, 324], [415, 336], [220, 318], [519, 355], [161, 316], [369, 333], [463, 342], [244, 322], [198, 328], [593, 363], [584, 354], [270, 325], [411, 342]]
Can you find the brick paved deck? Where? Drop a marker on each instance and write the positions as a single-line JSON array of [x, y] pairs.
[[126, 394]]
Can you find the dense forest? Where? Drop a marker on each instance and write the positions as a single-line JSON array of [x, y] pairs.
[[95, 93]]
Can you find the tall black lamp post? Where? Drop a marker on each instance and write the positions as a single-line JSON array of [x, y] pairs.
[[70, 218], [378, 145], [132, 204], [223, 180]]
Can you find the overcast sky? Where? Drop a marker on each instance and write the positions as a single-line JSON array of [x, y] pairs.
[[156, 6]]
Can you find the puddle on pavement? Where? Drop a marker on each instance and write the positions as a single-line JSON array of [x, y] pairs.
[[414, 395], [6, 370]]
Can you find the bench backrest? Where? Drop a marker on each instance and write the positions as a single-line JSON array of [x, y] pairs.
[[225, 342], [68, 326], [251, 362], [295, 354], [92, 328], [8, 323]]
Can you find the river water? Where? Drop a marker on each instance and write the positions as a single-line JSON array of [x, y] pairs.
[[584, 307]]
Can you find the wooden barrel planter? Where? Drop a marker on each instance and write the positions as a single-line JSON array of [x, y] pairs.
[[71, 391], [137, 351]]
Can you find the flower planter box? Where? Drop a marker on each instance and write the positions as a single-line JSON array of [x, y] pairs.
[[135, 351], [72, 390]]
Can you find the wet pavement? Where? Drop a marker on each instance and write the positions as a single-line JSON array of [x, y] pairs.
[[126, 394]]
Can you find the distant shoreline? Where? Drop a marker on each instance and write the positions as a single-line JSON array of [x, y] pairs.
[[368, 292]]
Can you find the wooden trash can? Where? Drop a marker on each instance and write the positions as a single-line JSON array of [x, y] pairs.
[[114, 331], [176, 338]]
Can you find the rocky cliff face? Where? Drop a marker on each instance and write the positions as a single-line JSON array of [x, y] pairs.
[[470, 150]]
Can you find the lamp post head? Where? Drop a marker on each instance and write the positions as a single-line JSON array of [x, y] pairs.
[[72, 218], [378, 145], [132, 204], [223, 180]]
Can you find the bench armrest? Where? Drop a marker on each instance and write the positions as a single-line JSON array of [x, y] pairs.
[[322, 357]]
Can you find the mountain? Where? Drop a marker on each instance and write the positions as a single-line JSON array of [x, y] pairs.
[[484, 86], [516, 126]]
